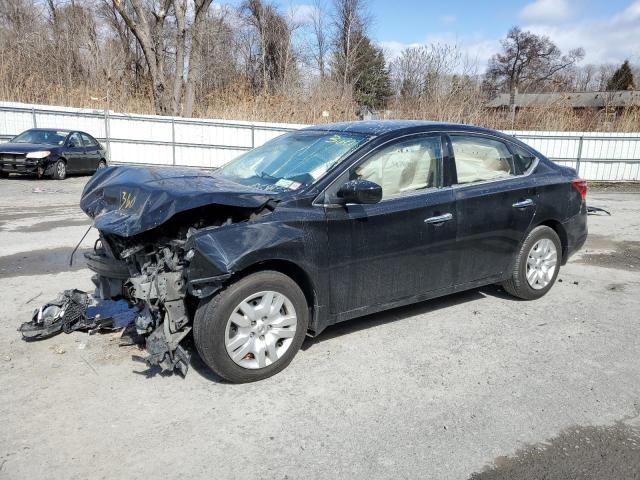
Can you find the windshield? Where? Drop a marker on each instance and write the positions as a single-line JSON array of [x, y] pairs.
[[292, 161], [47, 137]]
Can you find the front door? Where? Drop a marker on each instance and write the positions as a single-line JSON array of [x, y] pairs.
[[402, 246], [495, 205]]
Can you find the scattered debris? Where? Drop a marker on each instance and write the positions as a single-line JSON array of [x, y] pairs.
[[33, 298], [596, 210], [59, 349], [75, 310]]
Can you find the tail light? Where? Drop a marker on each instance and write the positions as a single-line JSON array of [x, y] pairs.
[[581, 187]]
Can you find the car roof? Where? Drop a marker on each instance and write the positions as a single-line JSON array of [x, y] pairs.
[[381, 127], [53, 130]]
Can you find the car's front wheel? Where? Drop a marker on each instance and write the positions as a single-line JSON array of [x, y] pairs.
[[537, 264], [59, 170], [253, 328]]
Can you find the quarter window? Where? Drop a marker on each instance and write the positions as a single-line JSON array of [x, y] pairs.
[[404, 167], [523, 159], [480, 159]]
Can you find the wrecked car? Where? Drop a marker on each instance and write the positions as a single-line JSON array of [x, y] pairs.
[[315, 227]]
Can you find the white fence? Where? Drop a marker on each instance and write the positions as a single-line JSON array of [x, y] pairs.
[[156, 140]]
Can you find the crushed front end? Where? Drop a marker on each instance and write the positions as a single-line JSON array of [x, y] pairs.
[[141, 260]]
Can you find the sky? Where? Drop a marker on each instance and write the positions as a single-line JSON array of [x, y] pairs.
[[608, 30]]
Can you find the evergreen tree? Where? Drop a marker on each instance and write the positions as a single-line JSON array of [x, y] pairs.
[[372, 86], [622, 78]]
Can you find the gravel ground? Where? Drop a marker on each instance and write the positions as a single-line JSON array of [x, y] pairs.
[[472, 385]]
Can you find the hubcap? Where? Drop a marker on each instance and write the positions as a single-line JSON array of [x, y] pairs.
[[260, 329], [61, 169], [541, 263]]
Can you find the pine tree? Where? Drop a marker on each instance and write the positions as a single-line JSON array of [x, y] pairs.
[[622, 79], [372, 87]]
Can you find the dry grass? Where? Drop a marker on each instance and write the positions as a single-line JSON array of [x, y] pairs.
[[307, 106]]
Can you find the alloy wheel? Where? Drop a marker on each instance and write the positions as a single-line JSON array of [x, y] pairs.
[[541, 263], [260, 330]]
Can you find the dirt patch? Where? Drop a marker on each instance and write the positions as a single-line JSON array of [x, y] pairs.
[[597, 453], [51, 224], [40, 262], [617, 187], [599, 242], [623, 256]]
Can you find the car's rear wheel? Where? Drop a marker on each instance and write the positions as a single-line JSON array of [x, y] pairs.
[[59, 170], [537, 264], [252, 329]]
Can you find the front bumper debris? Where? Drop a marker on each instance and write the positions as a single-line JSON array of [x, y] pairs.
[[75, 310]]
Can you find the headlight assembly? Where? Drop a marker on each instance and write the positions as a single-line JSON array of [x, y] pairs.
[[40, 154]]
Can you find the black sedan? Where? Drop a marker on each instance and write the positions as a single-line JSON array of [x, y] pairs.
[[51, 152], [320, 226]]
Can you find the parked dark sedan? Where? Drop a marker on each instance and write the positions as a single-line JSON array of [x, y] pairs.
[[323, 225], [51, 152]]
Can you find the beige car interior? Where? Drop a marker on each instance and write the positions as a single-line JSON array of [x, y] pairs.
[[402, 168], [481, 159]]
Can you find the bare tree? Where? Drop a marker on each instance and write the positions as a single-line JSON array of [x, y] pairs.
[[275, 57], [350, 20], [528, 61], [320, 31], [148, 21]]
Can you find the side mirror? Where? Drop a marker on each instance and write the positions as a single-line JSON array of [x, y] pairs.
[[360, 191]]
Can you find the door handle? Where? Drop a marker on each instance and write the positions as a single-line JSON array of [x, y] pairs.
[[439, 219], [523, 204]]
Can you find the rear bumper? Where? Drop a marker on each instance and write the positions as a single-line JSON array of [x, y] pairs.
[[576, 229]]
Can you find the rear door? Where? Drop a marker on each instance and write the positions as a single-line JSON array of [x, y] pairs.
[[75, 153], [93, 154], [495, 204], [402, 246]]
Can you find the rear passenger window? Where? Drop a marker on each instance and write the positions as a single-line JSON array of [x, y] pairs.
[[480, 159], [523, 159], [405, 166], [88, 141]]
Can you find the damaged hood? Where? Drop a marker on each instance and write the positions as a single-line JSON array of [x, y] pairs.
[[127, 201]]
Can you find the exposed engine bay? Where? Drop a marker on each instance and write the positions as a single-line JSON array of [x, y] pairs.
[[141, 287]]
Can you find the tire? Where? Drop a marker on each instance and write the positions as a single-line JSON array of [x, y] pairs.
[[59, 170], [518, 285], [4, 174], [213, 328]]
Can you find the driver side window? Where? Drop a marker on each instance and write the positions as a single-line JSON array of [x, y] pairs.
[[404, 167]]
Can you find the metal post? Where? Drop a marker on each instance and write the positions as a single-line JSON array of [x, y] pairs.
[[173, 140], [33, 115], [579, 154], [253, 136], [107, 134]]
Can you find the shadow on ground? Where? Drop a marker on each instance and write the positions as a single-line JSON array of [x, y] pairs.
[[428, 306]]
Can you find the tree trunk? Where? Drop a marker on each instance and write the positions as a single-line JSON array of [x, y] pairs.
[[195, 56]]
